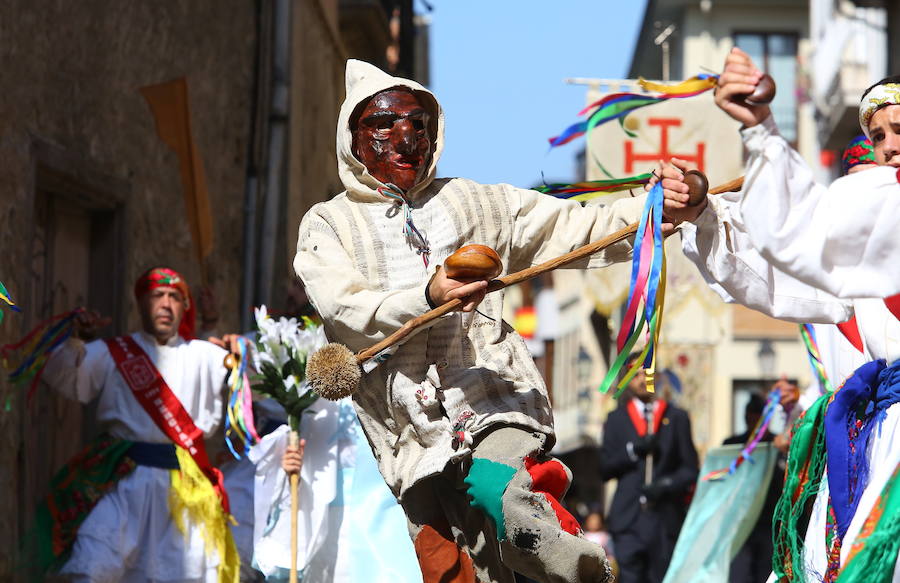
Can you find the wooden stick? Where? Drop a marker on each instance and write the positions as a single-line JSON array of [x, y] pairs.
[[518, 277], [730, 186], [294, 441], [494, 285]]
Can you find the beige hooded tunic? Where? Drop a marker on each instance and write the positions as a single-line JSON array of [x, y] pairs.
[[467, 372]]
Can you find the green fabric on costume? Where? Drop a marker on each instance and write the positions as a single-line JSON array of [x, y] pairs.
[[874, 553], [805, 469], [487, 481], [74, 491]]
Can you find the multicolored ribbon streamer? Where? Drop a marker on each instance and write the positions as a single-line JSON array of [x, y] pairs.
[[36, 347], [582, 191], [648, 285], [755, 437], [239, 416], [808, 333], [6, 298], [618, 105]]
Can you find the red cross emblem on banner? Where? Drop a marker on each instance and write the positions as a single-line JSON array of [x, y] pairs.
[[664, 124]]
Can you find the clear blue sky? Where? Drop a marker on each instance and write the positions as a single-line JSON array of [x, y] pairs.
[[497, 67]]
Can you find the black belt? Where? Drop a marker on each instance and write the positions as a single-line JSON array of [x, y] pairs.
[[155, 455]]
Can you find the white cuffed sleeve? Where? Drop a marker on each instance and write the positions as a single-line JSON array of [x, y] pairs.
[[77, 370], [841, 239], [722, 251]]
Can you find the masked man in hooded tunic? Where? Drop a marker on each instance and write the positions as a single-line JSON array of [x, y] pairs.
[[801, 251], [458, 416], [142, 503]]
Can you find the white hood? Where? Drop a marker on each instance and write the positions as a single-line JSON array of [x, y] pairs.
[[364, 81]]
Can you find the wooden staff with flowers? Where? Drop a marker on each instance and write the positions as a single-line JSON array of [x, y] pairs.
[[279, 355]]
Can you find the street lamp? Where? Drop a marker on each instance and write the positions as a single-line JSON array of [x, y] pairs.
[[766, 356]]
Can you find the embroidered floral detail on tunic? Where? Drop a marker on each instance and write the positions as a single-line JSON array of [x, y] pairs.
[[460, 435]]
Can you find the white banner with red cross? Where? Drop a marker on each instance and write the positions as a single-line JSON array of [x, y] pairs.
[[692, 129]]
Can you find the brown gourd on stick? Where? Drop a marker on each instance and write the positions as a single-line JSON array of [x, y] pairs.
[[334, 370], [473, 262]]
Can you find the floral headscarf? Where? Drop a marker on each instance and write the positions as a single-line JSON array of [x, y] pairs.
[[858, 151], [878, 97]]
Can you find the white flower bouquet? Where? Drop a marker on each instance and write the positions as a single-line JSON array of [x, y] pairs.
[[282, 349]]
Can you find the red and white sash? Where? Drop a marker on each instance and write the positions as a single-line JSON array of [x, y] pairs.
[[151, 391]]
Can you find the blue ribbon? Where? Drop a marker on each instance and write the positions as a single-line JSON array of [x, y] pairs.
[[655, 203], [652, 208], [570, 133], [242, 368], [636, 252]]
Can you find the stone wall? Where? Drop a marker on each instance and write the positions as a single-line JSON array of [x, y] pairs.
[[72, 121], [87, 187]]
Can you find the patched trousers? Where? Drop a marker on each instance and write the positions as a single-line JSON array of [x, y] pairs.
[[500, 512]]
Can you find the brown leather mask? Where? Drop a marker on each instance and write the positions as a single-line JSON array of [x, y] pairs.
[[391, 138]]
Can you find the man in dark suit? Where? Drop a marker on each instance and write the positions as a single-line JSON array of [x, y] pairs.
[[648, 507]]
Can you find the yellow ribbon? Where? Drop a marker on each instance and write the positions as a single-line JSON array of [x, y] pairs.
[[692, 85]]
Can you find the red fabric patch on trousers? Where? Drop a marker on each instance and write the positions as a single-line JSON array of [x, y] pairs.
[[550, 479], [440, 559]]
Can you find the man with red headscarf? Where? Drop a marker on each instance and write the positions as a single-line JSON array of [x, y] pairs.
[[141, 503]]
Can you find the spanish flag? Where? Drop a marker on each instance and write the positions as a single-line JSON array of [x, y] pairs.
[[525, 322]]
